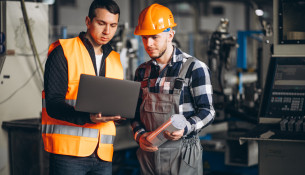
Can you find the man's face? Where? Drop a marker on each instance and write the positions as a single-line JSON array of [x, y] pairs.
[[155, 45], [102, 27]]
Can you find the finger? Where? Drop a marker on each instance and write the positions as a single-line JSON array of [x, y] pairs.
[[106, 119], [167, 137], [152, 149], [176, 138], [113, 118], [167, 134], [148, 148], [175, 134]]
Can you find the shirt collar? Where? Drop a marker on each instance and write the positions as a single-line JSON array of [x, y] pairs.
[[175, 57], [106, 48]]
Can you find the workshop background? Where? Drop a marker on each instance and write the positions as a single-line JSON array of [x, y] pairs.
[[235, 38]]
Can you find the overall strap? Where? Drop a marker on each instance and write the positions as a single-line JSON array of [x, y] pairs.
[[146, 81], [185, 67], [182, 73]]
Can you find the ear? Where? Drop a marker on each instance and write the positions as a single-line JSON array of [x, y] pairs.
[[171, 35], [88, 21]]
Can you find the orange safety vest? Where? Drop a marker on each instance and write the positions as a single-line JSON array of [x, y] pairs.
[[61, 137]]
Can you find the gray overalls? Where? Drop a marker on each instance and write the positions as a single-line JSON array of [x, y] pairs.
[[181, 157]]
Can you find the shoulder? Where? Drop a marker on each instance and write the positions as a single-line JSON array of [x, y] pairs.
[[57, 51], [195, 64], [140, 71], [144, 65], [199, 64], [196, 68], [115, 54]]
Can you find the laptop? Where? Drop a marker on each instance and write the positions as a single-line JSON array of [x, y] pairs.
[[108, 96], [283, 98]]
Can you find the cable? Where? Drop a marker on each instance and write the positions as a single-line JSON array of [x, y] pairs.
[[24, 54], [18, 89], [22, 86], [29, 31]]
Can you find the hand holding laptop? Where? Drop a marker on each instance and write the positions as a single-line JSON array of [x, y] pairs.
[[98, 118]]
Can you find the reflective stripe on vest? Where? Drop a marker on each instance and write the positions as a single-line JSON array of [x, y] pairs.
[[61, 137], [70, 102], [107, 139], [70, 130]]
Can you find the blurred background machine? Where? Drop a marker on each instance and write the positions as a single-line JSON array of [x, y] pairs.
[[280, 132]]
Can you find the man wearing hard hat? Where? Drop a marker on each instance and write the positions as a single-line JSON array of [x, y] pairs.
[[172, 82]]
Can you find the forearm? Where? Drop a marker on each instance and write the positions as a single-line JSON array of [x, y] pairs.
[[65, 112], [202, 100], [55, 86], [200, 120], [137, 128]]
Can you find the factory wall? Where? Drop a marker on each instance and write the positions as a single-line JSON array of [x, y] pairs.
[[21, 79]]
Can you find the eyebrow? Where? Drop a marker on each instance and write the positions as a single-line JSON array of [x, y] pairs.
[[99, 20]]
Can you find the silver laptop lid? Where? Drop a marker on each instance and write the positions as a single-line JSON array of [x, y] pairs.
[[107, 96]]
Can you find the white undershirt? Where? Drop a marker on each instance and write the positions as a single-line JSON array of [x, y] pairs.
[[162, 66], [98, 59]]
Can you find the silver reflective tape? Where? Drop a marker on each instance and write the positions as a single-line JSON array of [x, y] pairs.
[[107, 139], [43, 103], [70, 130], [71, 102]]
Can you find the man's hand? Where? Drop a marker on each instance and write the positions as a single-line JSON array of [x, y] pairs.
[[146, 145], [176, 135], [98, 118]]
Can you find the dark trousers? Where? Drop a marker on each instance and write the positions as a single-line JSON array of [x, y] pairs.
[[70, 165]]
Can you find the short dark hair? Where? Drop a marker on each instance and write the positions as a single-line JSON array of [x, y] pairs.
[[110, 5]]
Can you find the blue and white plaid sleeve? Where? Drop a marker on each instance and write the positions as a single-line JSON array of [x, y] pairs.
[[201, 92]]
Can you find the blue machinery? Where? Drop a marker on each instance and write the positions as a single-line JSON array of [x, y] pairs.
[[242, 37]]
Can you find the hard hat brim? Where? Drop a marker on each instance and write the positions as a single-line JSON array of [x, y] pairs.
[[150, 32], [147, 32]]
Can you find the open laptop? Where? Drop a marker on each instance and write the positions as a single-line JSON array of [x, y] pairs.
[[107, 96], [283, 98]]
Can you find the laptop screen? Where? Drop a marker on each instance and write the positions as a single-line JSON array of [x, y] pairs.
[[284, 91]]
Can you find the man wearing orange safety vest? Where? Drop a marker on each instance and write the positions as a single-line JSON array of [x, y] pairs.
[[80, 143]]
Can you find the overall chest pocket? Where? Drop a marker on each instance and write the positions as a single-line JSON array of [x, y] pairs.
[[155, 114], [158, 107]]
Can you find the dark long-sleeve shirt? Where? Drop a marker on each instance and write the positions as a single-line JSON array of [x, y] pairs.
[[56, 83], [196, 97]]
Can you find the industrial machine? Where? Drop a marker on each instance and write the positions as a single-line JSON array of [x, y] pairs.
[[236, 86], [280, 132]]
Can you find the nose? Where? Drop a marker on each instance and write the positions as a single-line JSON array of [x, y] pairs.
[[107, 29], [149, 41]]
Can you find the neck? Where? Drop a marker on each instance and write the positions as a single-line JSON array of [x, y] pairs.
[[167, 56], [97, 48]]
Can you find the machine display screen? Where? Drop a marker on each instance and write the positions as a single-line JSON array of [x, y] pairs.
[[289, 77], [284, 92], [291, 21]]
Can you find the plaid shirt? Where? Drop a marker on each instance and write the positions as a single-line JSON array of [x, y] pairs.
[[196, 97]]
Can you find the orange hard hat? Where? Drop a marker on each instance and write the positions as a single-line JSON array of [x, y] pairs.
[[154, 19]]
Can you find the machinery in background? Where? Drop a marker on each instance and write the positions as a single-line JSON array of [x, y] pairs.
[[237, 88], [128, 48], [220, 46], [236, 82]]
